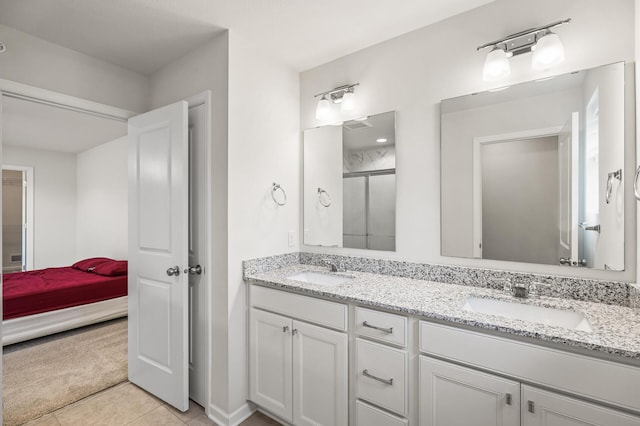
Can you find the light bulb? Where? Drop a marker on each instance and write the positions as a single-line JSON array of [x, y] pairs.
[[323, 110], [496, 66], [548, 52], [348, 102]]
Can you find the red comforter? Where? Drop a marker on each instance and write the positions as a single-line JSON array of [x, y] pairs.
[[33, 292]]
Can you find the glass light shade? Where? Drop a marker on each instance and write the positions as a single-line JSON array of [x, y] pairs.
[[348, 102], [323, 110], [496, 66], [548, 52]]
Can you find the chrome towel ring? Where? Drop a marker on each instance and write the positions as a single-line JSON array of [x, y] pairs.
[[282, 199], [635, 184], [324, 198], [613, 175]]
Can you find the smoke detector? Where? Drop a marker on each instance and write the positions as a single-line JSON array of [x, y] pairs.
[[2, 47]]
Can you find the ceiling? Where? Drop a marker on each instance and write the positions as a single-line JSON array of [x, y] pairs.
[[145, 35], [33, 125]]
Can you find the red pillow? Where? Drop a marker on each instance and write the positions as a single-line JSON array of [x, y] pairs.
[[88, 265], [113, 268]]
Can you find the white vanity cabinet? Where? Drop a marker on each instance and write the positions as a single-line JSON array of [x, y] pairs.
[[298, 370], [451, 395]]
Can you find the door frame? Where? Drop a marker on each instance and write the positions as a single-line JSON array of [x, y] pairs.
[[478, 142], [36, 94], [204, 98], [27, 213]]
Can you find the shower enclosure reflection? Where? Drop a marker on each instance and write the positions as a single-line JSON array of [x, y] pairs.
[[533, 173], [349, 184]]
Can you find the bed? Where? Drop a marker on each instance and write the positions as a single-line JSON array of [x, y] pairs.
[[45, 301]]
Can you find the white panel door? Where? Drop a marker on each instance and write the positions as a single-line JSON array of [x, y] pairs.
[[542, 408], [158, 253], [270, 362], [320, 396], [451, 395]]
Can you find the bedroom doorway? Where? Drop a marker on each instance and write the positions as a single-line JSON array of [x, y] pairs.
[[17, 218], [199, 110]]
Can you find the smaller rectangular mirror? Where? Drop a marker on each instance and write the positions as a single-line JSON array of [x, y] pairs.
[[350, 184]]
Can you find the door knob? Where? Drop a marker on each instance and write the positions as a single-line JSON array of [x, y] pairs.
[[173, 271], [193, 270], [564, 261]]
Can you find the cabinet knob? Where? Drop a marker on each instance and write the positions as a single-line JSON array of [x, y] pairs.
[[294, 331], [285, 328], [508, 399]]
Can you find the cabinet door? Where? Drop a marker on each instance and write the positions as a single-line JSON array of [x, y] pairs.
[[319, 376], [451, 395], [270, 362], [542, 408]]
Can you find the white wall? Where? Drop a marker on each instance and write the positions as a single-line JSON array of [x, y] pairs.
[[414, 72], [37, 62], [264, 147], [54, 178], [323, 169], [102, 201]]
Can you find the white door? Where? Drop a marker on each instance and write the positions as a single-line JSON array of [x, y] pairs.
[[270, 363], [158, 253], [568, 191], [542, 408], [319, 376], [451, 395]]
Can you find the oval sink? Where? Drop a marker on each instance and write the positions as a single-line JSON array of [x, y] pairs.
[[319, 278], [538, 314]]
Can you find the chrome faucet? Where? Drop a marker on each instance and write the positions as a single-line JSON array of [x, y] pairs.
[[333, 265], [524, 290]]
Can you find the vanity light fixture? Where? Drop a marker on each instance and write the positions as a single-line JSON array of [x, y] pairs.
[[343, 95], [545, 45]]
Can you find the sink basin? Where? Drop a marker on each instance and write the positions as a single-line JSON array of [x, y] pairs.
[[319, 278], [538, 314]]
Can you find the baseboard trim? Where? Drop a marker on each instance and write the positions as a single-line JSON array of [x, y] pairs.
[[222, 418]]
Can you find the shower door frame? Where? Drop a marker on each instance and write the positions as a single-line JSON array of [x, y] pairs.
[[27, 214]]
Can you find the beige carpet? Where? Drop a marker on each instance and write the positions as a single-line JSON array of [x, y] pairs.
[[45, 374]]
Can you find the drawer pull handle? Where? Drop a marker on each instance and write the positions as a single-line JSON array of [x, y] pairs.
[[386, 330], [366, 373]]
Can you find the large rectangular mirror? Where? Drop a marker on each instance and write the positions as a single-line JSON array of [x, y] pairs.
[[350, 184], [533, 173]]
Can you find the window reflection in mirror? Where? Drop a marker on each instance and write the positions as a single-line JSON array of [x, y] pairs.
[[533, 173], [349, 184]]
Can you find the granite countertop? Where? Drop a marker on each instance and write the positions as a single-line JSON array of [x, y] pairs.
[[616, 329]]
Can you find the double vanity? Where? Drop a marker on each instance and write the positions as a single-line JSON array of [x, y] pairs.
[[362, 348]]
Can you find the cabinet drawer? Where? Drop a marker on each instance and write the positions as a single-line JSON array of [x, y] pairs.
[[381, 375], [318, 311], [366, 415], [381, 326]]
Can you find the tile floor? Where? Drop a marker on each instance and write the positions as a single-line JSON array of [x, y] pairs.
[[126, 404]]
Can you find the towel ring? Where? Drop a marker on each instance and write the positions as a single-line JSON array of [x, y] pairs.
[[275, 188], [635, 184], [614, 175], [326, 200]]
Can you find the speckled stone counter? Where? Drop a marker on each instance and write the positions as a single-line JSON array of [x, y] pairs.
[[616, 329]]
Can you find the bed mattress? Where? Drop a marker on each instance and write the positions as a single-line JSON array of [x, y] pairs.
[[43, 290]]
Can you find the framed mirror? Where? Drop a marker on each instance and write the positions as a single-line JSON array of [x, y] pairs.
[[350, 184], [533, 172]]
